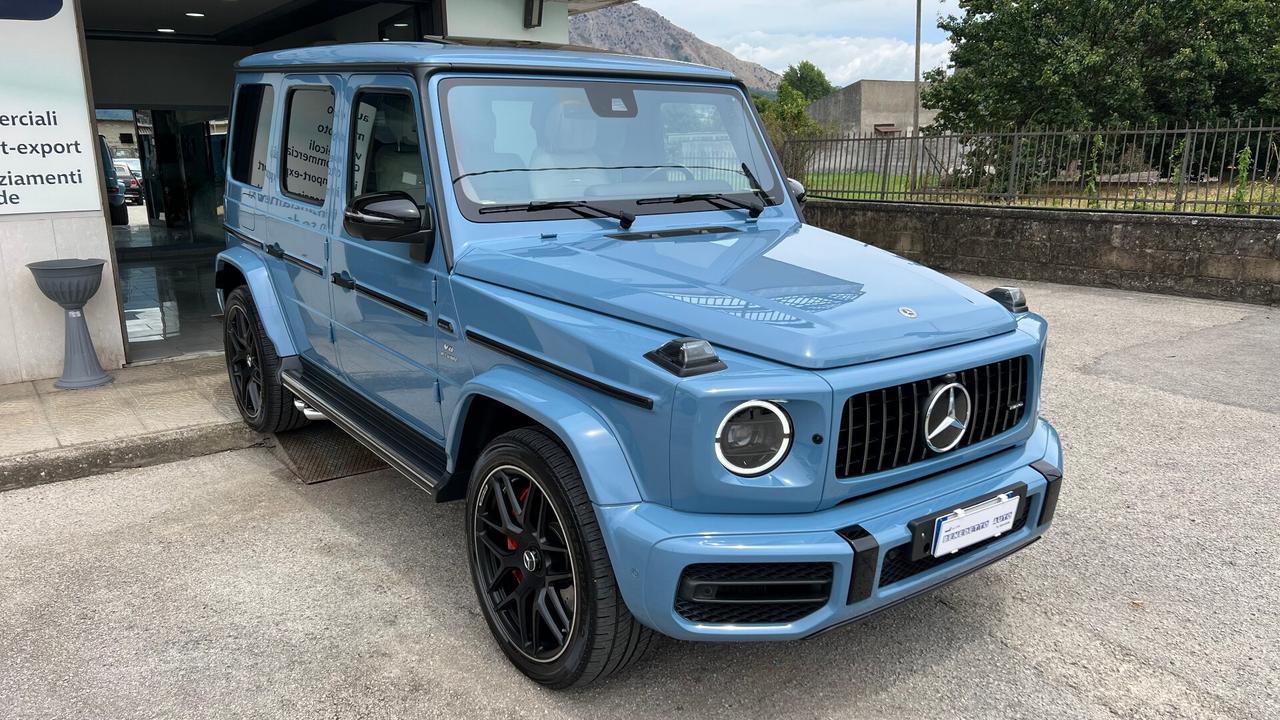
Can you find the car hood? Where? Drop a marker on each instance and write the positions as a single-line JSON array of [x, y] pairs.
[[791, 293]]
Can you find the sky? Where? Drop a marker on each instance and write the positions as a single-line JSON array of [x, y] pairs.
[[849, 39]]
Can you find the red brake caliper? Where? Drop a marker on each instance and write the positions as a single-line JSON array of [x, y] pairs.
[[511, 542]]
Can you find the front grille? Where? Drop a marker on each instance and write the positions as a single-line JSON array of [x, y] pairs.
[[752, 593], [884, 429], [899, 566]]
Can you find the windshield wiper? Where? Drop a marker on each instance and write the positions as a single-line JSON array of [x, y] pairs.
[[581, 207], [723, 200], [755, 184]]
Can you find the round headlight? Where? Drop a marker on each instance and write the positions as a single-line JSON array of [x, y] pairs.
[[753, 438]]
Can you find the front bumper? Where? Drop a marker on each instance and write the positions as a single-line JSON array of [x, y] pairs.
[[651, 545]]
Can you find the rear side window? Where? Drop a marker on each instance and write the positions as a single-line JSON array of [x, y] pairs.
[[386, 153], [308, 135], [250, 130]]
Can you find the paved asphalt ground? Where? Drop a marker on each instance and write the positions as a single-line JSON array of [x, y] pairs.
[[218, 587]]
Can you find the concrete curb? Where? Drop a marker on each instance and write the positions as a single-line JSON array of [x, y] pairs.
[[77, 461]]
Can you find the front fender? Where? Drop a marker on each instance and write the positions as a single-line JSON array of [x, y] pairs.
[[593, 443], [256, 275]]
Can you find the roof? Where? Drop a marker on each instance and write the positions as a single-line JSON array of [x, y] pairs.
[[496, 56]]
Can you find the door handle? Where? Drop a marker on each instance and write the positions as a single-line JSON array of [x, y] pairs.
[[344, 280]]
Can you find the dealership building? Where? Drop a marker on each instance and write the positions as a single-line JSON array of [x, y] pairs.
[[143, 88]]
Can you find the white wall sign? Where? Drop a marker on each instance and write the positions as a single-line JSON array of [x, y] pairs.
[[47, 161]]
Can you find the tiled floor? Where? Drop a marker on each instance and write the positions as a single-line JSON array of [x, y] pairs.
[[167, 285], [37, 416], [169, 307]]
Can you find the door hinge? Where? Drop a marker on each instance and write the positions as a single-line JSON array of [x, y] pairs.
[[333, 336], [435, 289], [439, 393]]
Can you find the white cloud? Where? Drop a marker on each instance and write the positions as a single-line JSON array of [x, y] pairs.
[[843, 59], [849, 39]]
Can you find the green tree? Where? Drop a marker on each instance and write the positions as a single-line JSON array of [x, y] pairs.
[[808, 80], [785, 119], [1018, 63]]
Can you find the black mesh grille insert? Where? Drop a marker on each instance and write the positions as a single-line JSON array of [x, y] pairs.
[[884, 429], [898, 565], [752, 593]]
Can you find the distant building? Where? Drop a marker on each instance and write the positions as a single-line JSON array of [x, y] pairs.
[[871, 107], [119, 129]]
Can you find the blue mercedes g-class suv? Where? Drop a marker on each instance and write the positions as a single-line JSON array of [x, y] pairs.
[[575, 290]]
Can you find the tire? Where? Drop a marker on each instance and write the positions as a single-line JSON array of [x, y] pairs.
[[602, 637], [119, 214], [252, 363]]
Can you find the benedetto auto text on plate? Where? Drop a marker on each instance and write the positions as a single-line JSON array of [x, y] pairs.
[[576, 291]]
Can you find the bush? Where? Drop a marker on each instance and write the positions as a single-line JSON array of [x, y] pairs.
[[1244, 163], [785, 120]]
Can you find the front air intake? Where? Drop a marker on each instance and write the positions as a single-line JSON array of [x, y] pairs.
[[752, 593]]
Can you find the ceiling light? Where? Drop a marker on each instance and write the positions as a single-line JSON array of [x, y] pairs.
[[165, 30], [402, 25], [195, 14]]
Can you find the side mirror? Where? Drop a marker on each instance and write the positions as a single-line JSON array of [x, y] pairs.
[[388, 217], [797, 190]]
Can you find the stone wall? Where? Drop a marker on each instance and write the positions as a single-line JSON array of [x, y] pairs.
[[1226, 258]]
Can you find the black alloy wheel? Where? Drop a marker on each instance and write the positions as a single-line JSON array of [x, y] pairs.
[[540, 566], [254, 368], [524, 564], [243, 362]]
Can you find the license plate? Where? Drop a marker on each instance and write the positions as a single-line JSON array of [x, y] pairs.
[[965, 526]]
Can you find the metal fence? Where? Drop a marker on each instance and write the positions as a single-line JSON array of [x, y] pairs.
[[1197, 169]]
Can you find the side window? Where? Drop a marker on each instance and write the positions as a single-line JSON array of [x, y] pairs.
[[308, 135], [250, 130], [386, 151]]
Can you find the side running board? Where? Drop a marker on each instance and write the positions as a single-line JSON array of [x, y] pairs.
[[417, 457]]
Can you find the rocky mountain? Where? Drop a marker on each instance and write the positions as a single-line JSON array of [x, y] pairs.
[[636, 30]]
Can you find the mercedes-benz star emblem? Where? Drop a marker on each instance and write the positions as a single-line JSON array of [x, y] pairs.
[[530, 560], [946, 417], [908, 312]]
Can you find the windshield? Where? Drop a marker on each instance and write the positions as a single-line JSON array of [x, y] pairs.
[[521, 146]]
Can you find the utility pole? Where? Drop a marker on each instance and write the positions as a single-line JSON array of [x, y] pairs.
[[915, 107]]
